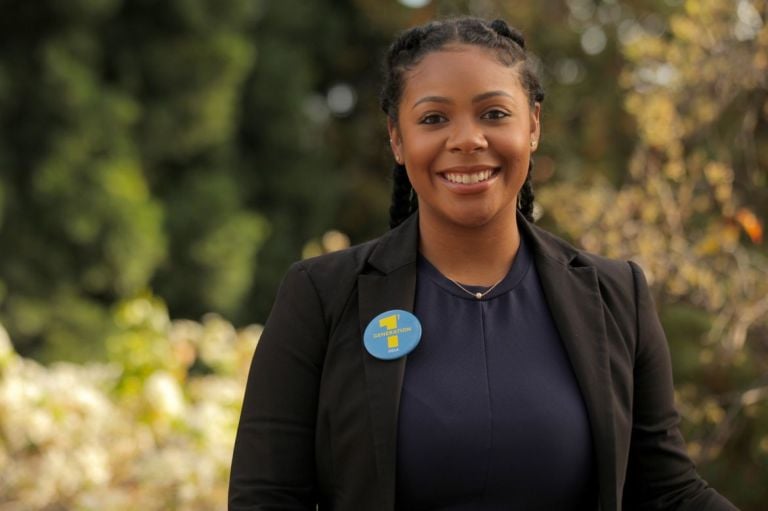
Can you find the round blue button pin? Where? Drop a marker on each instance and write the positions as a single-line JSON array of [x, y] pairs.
[[392, 334]]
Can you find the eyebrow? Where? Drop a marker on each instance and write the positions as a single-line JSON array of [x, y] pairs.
[[479, 97]]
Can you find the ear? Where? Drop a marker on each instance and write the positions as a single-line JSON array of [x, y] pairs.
[[395, 141], [535, 126]]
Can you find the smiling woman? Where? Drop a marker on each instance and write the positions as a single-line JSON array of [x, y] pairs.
[[466, 360]]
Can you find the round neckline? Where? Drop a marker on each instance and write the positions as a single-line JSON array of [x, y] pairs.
[[512, 279]]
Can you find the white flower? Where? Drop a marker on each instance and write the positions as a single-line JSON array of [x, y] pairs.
[[93, 462], [70, 442], [7, 353], [164, 395]]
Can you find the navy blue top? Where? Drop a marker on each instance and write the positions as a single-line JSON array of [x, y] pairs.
[[491, 416]]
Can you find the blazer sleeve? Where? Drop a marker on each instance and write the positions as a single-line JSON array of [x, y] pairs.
[[660, 475], [273, 465]]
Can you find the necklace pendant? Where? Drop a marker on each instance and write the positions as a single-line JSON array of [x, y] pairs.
[[478, 295]]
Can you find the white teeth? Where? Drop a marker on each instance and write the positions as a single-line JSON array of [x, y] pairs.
[[468, 179]]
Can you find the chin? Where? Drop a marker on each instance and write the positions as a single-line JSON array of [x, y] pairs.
[[482, 217], [473, 219]]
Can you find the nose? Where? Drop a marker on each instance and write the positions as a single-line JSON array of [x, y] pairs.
[[466, 137]]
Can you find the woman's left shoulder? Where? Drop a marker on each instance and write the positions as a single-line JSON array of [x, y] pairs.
[[610, 271]]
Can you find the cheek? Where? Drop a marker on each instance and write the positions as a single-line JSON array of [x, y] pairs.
[[421, 150], [515, 140], [416, 176], [418, 165], [420, 143], [514, 148]]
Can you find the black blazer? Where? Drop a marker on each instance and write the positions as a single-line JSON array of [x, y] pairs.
[[319, 419]]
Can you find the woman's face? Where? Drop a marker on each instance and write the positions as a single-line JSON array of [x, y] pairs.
[[465, 133]]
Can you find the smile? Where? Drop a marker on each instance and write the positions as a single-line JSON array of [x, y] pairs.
[[468, 178]]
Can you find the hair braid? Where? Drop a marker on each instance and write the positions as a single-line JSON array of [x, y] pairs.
[[529, 77], [501, 28], [403, 199], [525, 195]]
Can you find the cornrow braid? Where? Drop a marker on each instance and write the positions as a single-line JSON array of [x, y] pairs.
[[413, 45], [403, 198], [528, 74], [501, 28]]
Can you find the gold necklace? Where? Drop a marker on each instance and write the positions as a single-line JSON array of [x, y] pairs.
[[478, 294]]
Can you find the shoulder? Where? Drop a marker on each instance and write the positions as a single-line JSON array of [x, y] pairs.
[[332, 278], [336, 268], [317, 290], [560, 251], [394, 249], [618, 279]]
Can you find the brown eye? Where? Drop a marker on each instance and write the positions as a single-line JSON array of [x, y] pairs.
[[432, 119], [495, 114]]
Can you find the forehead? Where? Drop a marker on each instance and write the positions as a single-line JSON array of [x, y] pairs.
[[458, 69]]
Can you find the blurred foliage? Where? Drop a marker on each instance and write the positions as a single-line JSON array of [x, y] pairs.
[[690, 210], [195, 148], [120, 123], [151, 429]]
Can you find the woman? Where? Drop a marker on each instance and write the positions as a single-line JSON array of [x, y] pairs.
[[541, 378]]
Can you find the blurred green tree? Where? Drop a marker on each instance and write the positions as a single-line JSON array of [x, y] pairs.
[[79, 222], [187, 64], [118, 164]]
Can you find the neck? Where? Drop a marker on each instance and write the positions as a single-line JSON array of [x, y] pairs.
[[477, 256]]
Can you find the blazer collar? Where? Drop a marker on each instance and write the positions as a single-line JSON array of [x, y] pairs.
[[572, 292], [398, 247]]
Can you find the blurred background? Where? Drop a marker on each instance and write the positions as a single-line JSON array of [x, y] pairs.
[[162, 163]]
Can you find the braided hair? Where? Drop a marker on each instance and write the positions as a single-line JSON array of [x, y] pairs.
[[408, 50]]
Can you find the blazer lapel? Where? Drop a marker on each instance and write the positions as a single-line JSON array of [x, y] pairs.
[[392, 285], [573, 296]]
